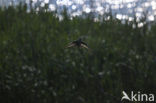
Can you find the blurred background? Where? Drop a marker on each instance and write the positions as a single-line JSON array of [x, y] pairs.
[[36, 66]]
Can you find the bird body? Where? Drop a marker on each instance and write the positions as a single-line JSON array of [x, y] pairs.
[[78, 43]]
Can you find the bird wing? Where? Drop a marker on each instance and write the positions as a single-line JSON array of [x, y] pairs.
[[71, 44], [84, 45]]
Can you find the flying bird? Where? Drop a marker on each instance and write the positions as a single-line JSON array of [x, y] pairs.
[[78, 43]]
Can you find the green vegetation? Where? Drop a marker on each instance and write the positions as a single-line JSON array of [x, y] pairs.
[[36, 66]]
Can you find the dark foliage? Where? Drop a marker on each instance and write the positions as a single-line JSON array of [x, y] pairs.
[[36, 66]]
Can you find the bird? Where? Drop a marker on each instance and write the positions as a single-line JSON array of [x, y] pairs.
[[78, 43]]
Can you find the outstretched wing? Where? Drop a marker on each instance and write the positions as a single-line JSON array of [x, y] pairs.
[[71, 44], [83, 44]]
